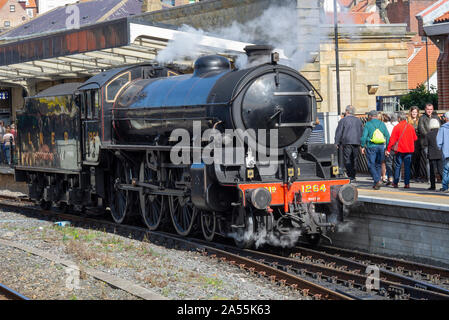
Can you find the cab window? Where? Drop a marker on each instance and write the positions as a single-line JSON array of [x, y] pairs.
[[89, 104], [114, 87]]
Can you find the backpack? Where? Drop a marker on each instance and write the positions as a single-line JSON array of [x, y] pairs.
[[378, 137]]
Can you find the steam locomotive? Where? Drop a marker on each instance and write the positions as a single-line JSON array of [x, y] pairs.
[[220, 150]]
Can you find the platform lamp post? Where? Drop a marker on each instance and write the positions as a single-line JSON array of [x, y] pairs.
[[337, 58], [337, 72], [427, 65]]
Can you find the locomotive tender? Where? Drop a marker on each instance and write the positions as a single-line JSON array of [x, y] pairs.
[[108, 144]]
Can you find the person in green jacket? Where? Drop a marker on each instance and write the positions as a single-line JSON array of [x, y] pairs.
[[374, 138]]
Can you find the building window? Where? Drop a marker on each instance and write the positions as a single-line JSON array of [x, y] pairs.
[[7, 24], [12, 8]]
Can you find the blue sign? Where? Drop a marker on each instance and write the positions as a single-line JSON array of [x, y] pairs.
[[4, 95]]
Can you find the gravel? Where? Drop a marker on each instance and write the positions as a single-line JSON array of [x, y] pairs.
[[39, 278], [173, 273]]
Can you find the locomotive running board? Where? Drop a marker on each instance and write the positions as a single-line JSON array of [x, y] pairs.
[[163, 192], [137, 147]]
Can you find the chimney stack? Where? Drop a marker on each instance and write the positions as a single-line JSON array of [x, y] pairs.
[[259, 53], [151, 5]]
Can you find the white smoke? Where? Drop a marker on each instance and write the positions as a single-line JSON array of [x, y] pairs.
[[347, 226], [263, 237], [184, 46], [278, 26]]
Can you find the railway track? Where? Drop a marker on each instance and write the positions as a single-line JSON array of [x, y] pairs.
[[9, 294], [346, 274], [307, 288], [425, 272], [319, 275]]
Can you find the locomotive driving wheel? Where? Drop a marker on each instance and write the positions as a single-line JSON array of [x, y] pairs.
[[153, 207], [182, 211], [208, 225], [245, 226], [119, 198]]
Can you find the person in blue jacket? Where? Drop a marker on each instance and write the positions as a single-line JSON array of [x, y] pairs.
[[443, 144], [373, 149]]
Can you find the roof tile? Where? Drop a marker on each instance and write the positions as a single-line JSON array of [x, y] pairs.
[[443, 18], [417, 70]]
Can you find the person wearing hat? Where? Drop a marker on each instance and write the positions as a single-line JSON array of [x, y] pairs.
[[443, 145], [374, 137]]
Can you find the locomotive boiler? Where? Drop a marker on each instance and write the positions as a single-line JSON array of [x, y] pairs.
[[221, 150]]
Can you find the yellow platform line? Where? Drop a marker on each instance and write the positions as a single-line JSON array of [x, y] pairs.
[[405, 193]]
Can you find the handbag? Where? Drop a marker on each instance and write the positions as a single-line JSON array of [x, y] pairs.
[[396, 144]]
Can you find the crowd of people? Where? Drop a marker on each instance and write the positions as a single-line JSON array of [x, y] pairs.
[[418, 143], [7, 142]]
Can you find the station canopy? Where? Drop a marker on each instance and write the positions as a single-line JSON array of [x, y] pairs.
[[93, 48]]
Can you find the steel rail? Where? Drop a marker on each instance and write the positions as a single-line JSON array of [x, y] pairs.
[[274, 274], [341, 274], [11, 294], [338, 262], [388, 263]]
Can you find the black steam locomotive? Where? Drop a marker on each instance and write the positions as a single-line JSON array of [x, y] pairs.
[[220, 149]]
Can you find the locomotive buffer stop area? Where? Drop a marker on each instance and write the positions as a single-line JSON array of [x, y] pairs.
[[412, 224]]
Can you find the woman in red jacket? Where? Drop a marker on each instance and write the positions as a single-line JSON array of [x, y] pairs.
[[402, 141]]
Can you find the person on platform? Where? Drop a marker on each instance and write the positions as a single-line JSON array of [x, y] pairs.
[[434, 153], [2, 146], [347, 138], [13, 130], [8, 141], [423, 129], [317, 135], [390, 122], [374, 138], [413, 119], [443, 145], [402, 142]]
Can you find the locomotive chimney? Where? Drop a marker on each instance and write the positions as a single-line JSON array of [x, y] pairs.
[[259, 54]]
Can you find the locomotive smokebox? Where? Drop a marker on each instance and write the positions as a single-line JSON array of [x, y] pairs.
[[259, 54]]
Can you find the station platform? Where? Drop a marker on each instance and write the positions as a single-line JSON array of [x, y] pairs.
[[410, 223], [417, 196]]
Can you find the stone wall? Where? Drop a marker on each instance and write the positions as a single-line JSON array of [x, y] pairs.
[[371, 56], [412, 233], [213, 14]]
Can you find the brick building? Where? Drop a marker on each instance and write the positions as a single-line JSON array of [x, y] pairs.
[[13, 13], [433, 22], [421, 58]]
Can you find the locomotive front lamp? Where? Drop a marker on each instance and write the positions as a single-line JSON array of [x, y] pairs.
[[335, 170], [275, 57], [372, 88]]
